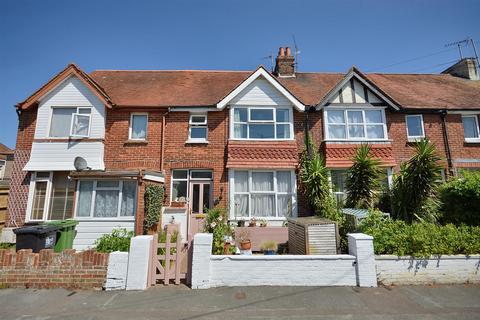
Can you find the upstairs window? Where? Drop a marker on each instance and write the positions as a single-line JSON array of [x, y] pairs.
[[415, 129], [262, 123], [198, 129], [70, 122], [138, 126], [355, 124], [470, 128]]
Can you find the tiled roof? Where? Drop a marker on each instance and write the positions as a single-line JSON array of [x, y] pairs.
[[271, 154], [340, 155], [5, 150]]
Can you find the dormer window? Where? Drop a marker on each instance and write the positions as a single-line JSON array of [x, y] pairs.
[[262, 123], [198, 129], [70, 122], [355, 124]]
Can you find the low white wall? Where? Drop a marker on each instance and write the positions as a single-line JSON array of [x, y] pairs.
[[283, 270], [455, 269]]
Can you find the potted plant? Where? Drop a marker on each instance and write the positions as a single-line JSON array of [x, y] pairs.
[[269, 247], [244, 240], [253, 222], [179, 202], [263, 223], [241, 223]]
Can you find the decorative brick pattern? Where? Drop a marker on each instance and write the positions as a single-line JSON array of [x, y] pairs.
[[340, 155], [46, 269], [269, 154]]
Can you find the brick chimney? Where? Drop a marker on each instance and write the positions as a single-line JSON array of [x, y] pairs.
[[465, 68], [285, 63]]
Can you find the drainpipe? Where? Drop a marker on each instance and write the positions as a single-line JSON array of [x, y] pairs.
[[162, 148], [443, 114]]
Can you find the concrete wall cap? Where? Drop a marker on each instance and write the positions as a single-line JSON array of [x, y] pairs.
[[203, 238], [360, 236]]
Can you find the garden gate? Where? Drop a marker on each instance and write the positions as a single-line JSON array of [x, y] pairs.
[[166, 260]]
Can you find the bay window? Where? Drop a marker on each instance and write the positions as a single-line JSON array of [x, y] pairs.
[[106, 199], [257, 123], [470, 128], [355, 124], [263, 194], [70, 121]]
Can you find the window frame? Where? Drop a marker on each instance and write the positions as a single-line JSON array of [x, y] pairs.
[[476, 139], [3, 165], [250, 192], [130, 126], [346, 123], [414, 138], [118, 217], [192, 124], [250, 121], [77, 112], [188, 179]]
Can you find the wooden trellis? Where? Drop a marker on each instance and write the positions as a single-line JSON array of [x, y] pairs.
[[166, 266]]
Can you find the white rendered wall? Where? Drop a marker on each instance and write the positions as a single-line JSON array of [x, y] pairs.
[[117, 271]]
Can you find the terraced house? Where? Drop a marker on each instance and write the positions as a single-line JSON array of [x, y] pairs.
[[231, 138]]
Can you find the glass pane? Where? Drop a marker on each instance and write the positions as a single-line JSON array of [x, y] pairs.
[[128, 199], [261, 114], [375, 132], [283, 115], [61, 199], [199, 119], [180, 174], [373, 116], [336, 131], [283, 131], [284, 181], [338, 180], [80, 125], [201, 174], [470, 129], [262, 181], [107, 184], [414, 126], [241, 205], [179, 190], [61, 120], [240, 131], [85, 110], [206, 197], [240, 115], [355, 117], [263, 205], [84, 198], [39, 200], [262, 131], [106, 203], [335, 116], [43, 175], [139, 126], [355, 131], [195, 198], [198, 133], [284, 205], [240, 179]]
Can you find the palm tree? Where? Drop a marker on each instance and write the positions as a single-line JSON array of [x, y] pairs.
[[363, 179]]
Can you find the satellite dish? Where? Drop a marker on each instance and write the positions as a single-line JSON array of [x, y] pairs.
[[80, 164]]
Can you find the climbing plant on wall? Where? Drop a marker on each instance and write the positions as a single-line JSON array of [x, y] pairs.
[[153, 205]]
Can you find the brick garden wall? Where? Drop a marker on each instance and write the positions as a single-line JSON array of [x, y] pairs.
[[69, 269]]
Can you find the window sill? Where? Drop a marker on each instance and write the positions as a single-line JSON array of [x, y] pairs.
[[472, 140], [196, 142], [130, 141], [415, 139], [357, 141]]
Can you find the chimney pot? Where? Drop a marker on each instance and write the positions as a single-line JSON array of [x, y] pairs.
[[288, 52], [281, 52]]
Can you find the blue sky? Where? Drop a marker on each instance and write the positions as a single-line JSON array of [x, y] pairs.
[[39, 38]]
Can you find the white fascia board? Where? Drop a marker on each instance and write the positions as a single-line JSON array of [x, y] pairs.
[[154, 178], [262, 72]]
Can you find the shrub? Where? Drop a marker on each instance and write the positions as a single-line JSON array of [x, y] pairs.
[[153, 205], [460, 199], [118, 240], [362, 179], [420, 239], [5, 245], [217, 224]]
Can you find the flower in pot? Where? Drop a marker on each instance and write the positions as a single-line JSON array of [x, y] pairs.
[[269, 247], [263, 223], [253, 222], [244, 240]]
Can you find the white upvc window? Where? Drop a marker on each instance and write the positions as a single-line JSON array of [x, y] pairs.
[[50, 197], [198, 128], [182, 177], [263, 194], [471, 130], [138, 126], [3, 164], [415, 127], [261, 123], [106, 199], [355, 124], [68, 122]]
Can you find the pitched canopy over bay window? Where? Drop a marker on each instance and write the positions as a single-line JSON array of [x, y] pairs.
[[262, 194], [355, 124], [261, 123], [471, 129]]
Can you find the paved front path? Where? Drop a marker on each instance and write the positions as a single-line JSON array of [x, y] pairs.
[[437, 302]]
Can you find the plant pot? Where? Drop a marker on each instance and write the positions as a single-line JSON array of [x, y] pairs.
[[226, 248], [153, 229], [245, 245], [176, 204], [241, 223], [252, 224], [269, 252], [263, 225]]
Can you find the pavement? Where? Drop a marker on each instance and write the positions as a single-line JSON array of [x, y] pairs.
[[179, 302]]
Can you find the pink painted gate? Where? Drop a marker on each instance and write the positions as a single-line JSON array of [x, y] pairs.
[[166, 261]]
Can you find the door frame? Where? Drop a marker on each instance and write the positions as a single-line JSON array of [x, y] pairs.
[[202, 183]]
